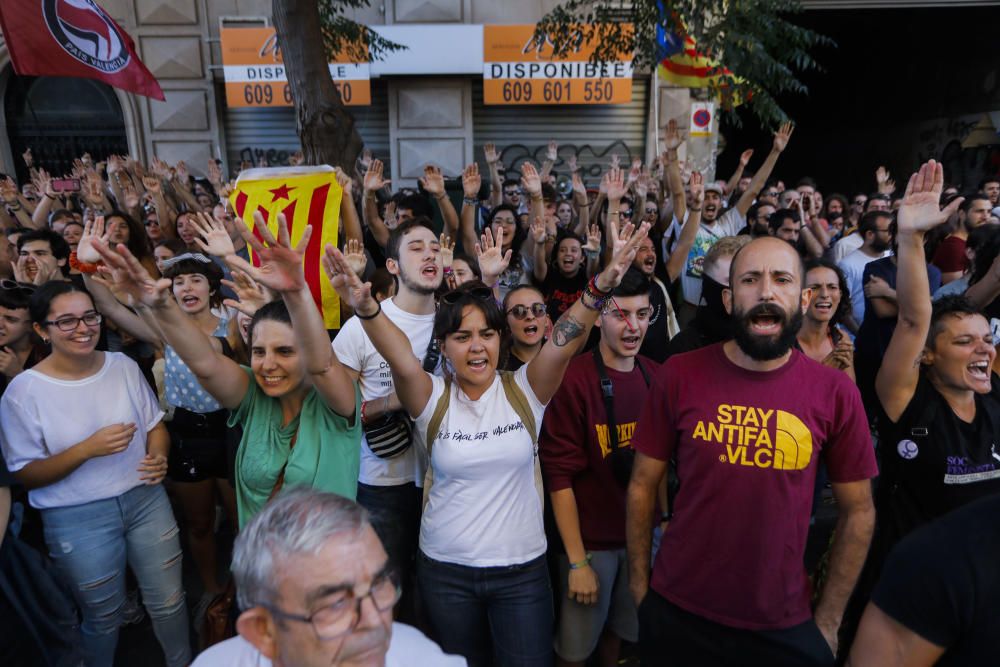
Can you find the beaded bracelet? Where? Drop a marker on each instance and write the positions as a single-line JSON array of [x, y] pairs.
[[369, 317], [583, 563]]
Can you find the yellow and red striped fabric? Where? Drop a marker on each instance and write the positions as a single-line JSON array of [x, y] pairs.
[[307, 196], [690, 69]]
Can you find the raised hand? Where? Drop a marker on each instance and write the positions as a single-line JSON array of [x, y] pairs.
[[615, 187], [115, 164], [123, 274], [347, 284], [213, 237], [345, 182], [471, 181], [94, 192], [696, 185], [530, 180], [373, 177], [615, 161], [490, 153], [593, 243], [782, 136], [93, 230], [625, 244], [572, 164], [745, 157], [433, 181], [552, 151], [8, 190], [538, 231], [919, 211], [296, 159], [130, 196], [579, 189], [152, 184], [365, 160], [280, 264], [447, 250], [634, 172], [354, 254], [182, 176], [493, 261], [250, 297], [29, 160], [214, 172], [672, 136], [883, 179], [43, 183]]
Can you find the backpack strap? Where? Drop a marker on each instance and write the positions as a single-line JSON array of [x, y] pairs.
[[433, 427], [608, 394], [515, 396]]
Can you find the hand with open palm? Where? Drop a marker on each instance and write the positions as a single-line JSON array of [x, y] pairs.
[[920, 210]]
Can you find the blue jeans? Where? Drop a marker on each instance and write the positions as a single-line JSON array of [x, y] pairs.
[[490, 615], [90, 545]]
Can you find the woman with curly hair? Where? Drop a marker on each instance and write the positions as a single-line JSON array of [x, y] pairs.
[[821, 338]]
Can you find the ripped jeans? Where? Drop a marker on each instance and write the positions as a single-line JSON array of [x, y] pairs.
[[90, 544]]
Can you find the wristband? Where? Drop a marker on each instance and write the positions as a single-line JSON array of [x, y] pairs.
[[591, 253], [82, 267], [595, 290], [364, 404], [695, 210], [582, 564], [470, 201], [369, 317]]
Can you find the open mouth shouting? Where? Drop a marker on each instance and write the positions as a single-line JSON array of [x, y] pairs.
[[980, 370], [631, 341], [765, 320]]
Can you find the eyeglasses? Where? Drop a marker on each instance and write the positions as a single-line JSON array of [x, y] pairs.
[[340, 617], [860, 202], [520, 311], [71, 323], [770, 193], [625, 213], [196, 256], [24, 289], [511, 193], [151, 223], [480, 293]]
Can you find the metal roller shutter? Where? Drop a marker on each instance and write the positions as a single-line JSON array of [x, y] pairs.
[[592, 133], [270, 132]]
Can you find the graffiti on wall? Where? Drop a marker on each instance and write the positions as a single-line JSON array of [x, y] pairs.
[[942, 140], [272, 156], [591, 160]]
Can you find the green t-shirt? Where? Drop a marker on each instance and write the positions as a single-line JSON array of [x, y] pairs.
[[326, 456]]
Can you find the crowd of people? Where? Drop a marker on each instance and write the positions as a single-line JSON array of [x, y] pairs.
[[556, 426]]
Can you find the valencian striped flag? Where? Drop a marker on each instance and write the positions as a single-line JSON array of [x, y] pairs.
[[307, 196], [690, 69]]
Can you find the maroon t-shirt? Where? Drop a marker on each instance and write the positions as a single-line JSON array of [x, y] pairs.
[[574, 446], [950, 255], [746, 445]]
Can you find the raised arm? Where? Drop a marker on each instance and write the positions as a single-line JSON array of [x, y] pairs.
[[281, 270], [781, 138], [372, 184], [220, 376], [492, 157], [413, 384], [471, 182], [679, 255], [734, 180], [580, 204], [551, 155], [433, 182], [348, 212], [672, 140], [545, 371], [541, 263], [897, 378]]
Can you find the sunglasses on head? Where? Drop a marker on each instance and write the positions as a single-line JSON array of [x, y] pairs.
[[480, 293], [520, 311], [196, 256], [13, 286]]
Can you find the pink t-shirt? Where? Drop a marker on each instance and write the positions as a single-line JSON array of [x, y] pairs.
[[746, 446]]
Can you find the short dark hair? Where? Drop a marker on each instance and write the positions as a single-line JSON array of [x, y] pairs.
[[869, 221], [213, 274], [634, 283], [975, 196], [448, 319], [520, 288], [988, 179], [473, 264], [60, 249], [175, 246], [396, 236], [59, 214], [777, 219], [415, 203], [807, 181], [953, 305], [511, 181], [40, 303]]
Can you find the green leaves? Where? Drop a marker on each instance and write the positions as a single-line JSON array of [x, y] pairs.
[[342, 35], [755, 40]]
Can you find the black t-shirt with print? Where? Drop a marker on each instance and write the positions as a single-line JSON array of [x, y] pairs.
[[932, 462], [654, 345], [561, 291], [943, 583]]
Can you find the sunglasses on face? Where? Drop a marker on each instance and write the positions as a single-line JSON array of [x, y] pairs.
[[511, 193], [625, 214], [520, 311], [480, 293]]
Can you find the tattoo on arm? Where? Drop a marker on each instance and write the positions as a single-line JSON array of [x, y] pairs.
[[566, 330]]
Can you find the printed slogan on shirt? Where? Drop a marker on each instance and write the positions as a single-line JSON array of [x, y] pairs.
[[757, 438], [518, 71]]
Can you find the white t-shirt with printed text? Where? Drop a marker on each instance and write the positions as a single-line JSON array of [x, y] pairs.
[[355, 350], [483, 509], [729, 224]]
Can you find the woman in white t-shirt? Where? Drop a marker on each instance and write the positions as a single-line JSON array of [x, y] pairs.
[[481, 568], [82, 430]]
